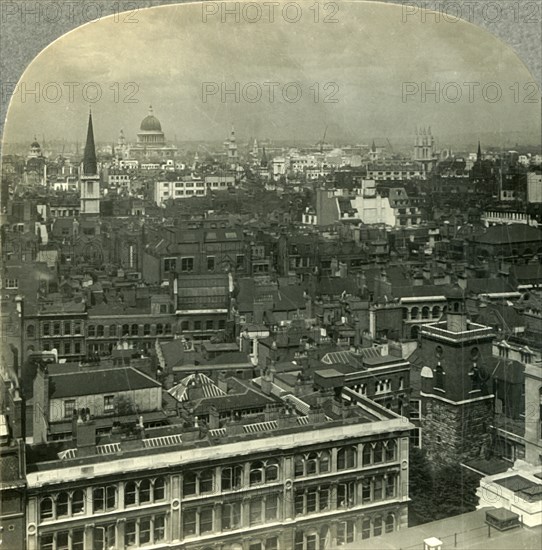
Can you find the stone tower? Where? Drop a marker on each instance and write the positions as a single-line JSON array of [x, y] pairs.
[[457, 406], [90, 180]]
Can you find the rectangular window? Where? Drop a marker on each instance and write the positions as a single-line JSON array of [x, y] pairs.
[[67, 348], [221, 324], [130, 533], [231, 515], [67, 328], [345, 532], [69, 406], [311, 501], [159, 528], [46, 329], [144, 531], [187, 264], [209, 325], [271, 506], [323, 499], [197, 325], [189, 522], [77, 327], [255, 511], [206, 520], [77, 347], [299, 506], [56, 329], [109, 403], [240, 261], [78, 539], [170, 265], [210, 263]]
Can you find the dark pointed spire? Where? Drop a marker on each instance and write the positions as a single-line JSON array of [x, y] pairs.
[[90, 165], [373, 147], [479, 152]]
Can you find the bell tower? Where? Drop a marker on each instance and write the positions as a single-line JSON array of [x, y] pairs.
[[457, 406], [90, 180]]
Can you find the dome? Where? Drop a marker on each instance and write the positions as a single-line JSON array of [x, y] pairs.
[[150, 123], [34, 144]]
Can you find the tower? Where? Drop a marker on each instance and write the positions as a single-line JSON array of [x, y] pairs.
[[232, 150], [373, 153], [424, 148], [90, 180], [456, 402]]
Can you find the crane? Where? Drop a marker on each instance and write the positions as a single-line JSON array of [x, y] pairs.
[[323, 140]]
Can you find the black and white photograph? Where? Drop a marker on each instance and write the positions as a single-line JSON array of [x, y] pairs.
[[270, 275]]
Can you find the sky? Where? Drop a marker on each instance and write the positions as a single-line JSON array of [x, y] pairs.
[[371, 62]]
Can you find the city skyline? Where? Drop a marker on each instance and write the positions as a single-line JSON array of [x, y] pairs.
[[384, 98]]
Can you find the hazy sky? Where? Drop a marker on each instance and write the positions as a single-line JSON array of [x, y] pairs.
[[369, 54]]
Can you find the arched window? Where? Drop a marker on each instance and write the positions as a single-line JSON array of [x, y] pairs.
[[146, 329], [378, 452], [347, 458], [159, 489], [112, 330], [367, 454], [78, 502], [425, 312], [62, 503], [310, 464], [366, 528], [325, 461], [134, 330], [206, 481], [46, 508], [414, 331], [91, 330], [390, 523], [130, 493], [100, 331], [256, 473], [414, 313], [30, 331], [271, 471], [436, 312], [391, 450], [299, 466], [159, 328], [145, 491], [167, 328], [377, 526], [125, 330]]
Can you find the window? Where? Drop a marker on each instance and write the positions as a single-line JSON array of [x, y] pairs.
[[221, 324], [198, 483], [206, 520], [210, 263], [159, 528], [77, 327], [167, 328], [346, 494], [189, 483], [104, 498], [185, 326], [209, 324], [62, 505], [77, 347], [159, 328], [365, 528], [159, 489], [109, 403], [187, 264], [91, 331], [378, 452], [255, 512], [347, 458], [12, 284], [130, 533], [46, 329], [100, 331], [239, 261], [439, 377], [104, 537], [390, 450], [377, 526], [30, 331], [113, 330], [134, 329], [206, 481], [231, 478], [345, 532], [271, 507], [56, 329], [125, 330], [231, 515], [67, 328], [146, 329], [69, 407], [365, 490], [78, 502], [46, 508], [390, 523], [144, 531], [67, 348], [170, 265], [189, 522]]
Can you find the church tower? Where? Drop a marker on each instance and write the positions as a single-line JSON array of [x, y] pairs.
[[457, 405], [232, 150], [424, 148], [90, 180], [373, 153]]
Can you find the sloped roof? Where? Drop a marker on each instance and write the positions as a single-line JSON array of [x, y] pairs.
[[195, 386]]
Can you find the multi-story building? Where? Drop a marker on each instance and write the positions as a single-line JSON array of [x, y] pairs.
[[184, 188], [276, 480]]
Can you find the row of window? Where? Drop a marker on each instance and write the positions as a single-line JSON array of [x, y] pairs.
[[426, 312], [129, 330], [57, 328], [187, 264], [73, 503], [345, 532]]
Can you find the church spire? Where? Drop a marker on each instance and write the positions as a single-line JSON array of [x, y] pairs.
[[90, 165], [479, 152]]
